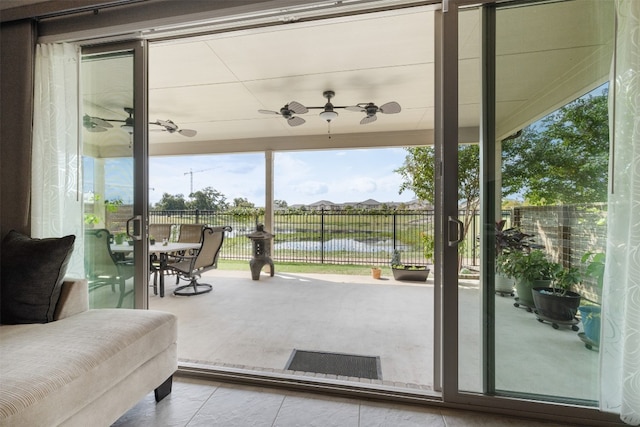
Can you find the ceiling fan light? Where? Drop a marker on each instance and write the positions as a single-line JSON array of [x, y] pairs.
[[328, 115], [127, 127]]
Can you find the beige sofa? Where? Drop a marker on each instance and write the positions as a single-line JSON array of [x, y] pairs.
[[88, 367]]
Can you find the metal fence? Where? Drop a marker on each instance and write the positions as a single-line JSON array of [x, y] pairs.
[[365, 237], [368, 237]]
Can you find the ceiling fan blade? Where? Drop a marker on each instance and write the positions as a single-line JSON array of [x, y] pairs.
[[168, 124], [188, 132], [95, 129], [295, 121], [355, 108], [297, 108], [368, 119], [268, 112], [101, 122], [390, 108]]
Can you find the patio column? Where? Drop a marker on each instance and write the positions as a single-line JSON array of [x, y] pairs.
[[268, 194]]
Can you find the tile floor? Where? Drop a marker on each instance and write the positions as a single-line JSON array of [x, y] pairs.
[[195, 402]]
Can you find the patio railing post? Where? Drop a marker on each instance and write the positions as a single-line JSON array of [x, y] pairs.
[[322, 235], [474, 247], [395, 228]]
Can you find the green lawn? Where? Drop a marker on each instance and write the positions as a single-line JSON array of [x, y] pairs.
[[290, 267]]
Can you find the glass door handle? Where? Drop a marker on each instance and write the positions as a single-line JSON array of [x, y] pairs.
[[136, 221], [459, 231]]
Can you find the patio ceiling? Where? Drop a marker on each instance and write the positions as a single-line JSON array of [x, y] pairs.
[[216, 84]]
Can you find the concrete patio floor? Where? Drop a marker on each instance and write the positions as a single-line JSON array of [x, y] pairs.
[[255, 325]]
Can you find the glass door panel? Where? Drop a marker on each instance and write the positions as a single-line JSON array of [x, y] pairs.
[[551, 128], [108, 177], [469, 260]]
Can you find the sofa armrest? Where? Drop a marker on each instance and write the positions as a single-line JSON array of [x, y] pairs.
[[74, 298]]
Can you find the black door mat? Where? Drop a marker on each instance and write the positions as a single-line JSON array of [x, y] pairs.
[[348, 365]]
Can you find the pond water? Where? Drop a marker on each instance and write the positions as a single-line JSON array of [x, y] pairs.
[[341, 245]]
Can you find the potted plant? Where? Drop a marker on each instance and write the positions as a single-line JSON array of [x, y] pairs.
[[590, 314], [507, 241], [418, 273], [529, 270], [119, 238], [558, 304], [376, 272]]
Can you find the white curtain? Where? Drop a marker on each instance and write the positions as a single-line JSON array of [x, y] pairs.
[[56, 198], [620, 341]]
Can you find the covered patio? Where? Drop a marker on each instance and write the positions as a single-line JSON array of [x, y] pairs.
[[246, 325]]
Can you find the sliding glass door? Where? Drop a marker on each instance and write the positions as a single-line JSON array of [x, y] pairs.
[[552, 133], [114, 176], [525, 331]]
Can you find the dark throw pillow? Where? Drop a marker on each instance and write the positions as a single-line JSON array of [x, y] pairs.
[[32, 274]]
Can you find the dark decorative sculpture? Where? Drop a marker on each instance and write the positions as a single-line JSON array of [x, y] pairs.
[[261, 251]]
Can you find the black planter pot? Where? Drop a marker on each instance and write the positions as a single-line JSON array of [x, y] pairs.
[[554, 307], [416, 273]]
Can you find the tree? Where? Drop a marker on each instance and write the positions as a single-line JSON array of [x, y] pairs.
[[418, 173], [171, 202], [280, 204], [242, 202], [207, 199], [564, 158]]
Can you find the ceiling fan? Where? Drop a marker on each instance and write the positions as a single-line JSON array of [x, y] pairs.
[[95, 124], [171, 127], [372, 109], [328, 112], [288, 112], [98, 124]]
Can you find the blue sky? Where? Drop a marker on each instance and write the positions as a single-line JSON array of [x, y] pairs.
[[301, 177]]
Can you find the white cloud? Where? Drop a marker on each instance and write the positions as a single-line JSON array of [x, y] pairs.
[[310, 188], [363, 184]]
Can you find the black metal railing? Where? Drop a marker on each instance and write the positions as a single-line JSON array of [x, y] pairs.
[[366, 237]]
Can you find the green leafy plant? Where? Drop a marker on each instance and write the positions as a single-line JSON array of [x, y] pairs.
[[111, 206], [564, 278], [595, 266], [530, 266], [508, 241], [428, 249], [429, 245], [120, 238]]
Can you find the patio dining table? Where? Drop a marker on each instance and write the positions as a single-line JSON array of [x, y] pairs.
[[158, 253]]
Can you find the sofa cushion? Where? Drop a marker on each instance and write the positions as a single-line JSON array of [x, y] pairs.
[[32, 275]]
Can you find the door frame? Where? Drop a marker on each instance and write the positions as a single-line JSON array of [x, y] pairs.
[[446, 349], [446, 140], [139, 50]]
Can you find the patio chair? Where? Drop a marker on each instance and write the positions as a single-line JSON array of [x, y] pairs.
[[190, 233], [187, 233], [160, 231], [102, 268], [190, 267]]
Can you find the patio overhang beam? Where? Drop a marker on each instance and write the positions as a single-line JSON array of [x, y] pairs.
[[468, 135]]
